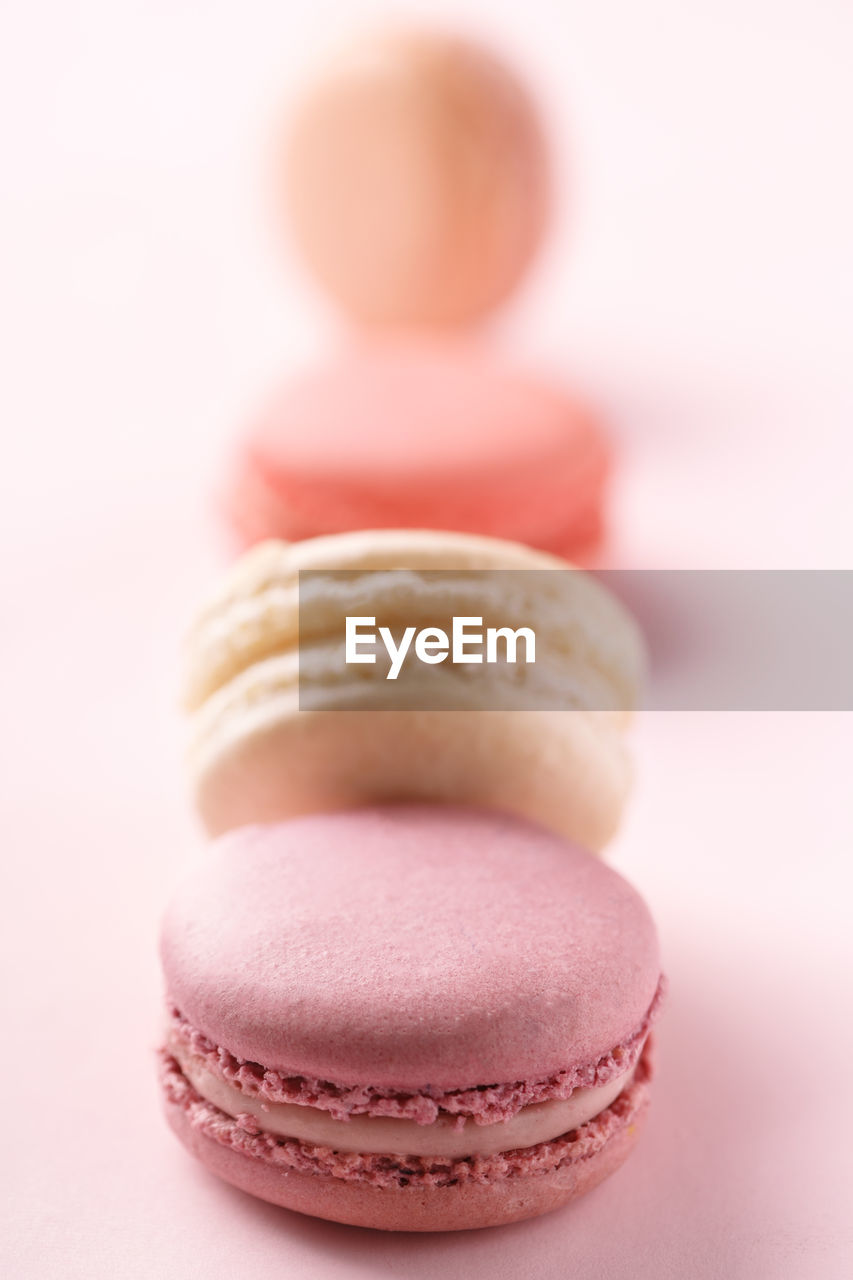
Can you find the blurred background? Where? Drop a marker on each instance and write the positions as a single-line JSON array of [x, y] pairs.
[[698, 277], [698, 284]]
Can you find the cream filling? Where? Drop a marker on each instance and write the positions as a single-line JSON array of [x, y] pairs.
[[540, 1122]]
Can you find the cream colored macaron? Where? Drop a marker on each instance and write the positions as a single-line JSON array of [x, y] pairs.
[[415, 179], [281, 725]]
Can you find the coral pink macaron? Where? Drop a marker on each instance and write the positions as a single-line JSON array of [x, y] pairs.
[[408, 1018], [421, 434]]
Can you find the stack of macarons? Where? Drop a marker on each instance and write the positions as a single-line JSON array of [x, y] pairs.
[[403, 990], [414, 177]]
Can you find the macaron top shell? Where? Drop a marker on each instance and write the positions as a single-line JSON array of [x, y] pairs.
[[421, 434], [409, 947], [256, 611], [469, 411]]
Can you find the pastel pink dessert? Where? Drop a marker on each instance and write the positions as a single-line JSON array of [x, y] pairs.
[[421, 434], [411, 1018]]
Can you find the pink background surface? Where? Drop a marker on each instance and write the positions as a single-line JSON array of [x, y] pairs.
[[702, 293]]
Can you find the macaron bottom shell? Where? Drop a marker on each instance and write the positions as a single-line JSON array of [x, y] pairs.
[[567, 770], [531, 1182]]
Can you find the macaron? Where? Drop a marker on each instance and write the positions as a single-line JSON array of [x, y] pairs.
[[414, 178], [423, 434], [279, 725], [410, 1018]]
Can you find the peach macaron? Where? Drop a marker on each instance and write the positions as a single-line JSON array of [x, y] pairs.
[[414, 177]]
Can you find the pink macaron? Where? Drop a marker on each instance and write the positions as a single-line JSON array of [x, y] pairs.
[[410, 1018], [421, 434]]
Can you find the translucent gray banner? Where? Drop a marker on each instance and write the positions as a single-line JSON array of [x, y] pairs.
[[702, 640]]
